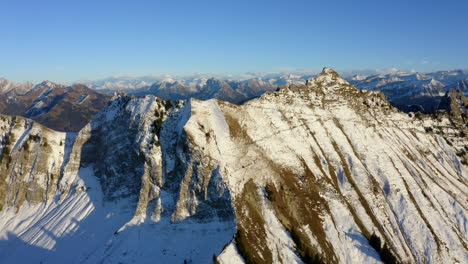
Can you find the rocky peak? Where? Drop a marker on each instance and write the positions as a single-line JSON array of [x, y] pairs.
[[119, 94], [453, 100], [5, 85], [328, 80], [434, 82], [285, 173], [47, 84], [329, 89], [327, 70]]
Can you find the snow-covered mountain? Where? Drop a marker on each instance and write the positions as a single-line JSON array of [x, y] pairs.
[[7, 86], [406, 91], [412, 83], [312, 172], [409, 91], [226, 90], [129, 83], [231, 88], [60, 107]]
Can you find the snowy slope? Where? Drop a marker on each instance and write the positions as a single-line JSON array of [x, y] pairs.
[[378, 171], [103, 199], [308, 172]]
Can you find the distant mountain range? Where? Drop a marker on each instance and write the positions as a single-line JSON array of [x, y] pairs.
[[407, 91], [415, 91], [234, 89], [69, 108], [62, 108], [320, 172]]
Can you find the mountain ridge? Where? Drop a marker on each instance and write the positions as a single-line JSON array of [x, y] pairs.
[[60, 107], [307, 172], [404, 89]]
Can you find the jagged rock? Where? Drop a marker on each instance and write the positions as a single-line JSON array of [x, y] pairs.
[[309, 172]]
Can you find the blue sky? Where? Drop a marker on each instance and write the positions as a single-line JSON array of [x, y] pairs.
[[71, 40]]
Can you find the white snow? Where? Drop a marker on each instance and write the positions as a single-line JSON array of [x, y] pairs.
[[402, 183]]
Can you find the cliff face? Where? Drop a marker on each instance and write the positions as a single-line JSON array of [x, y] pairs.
[[453, 108], [312, 172], [31, 159]]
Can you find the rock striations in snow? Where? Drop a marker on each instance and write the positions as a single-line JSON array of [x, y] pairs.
[[314, 172]]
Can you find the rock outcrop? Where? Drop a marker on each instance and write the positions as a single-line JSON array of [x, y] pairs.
[[315, 172]]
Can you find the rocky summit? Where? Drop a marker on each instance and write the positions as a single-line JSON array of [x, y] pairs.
[[320, 172]]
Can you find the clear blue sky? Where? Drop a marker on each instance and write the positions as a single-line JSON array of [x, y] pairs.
[[71, 40]]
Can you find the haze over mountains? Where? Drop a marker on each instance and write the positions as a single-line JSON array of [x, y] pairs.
[[69, 108], [408, 91], [417, 91], [142, 132], [320, 172]]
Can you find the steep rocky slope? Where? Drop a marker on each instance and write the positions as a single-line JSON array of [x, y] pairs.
[[315, 172], [451, 122]]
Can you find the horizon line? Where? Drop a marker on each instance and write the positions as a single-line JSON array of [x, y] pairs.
[[247, 75]]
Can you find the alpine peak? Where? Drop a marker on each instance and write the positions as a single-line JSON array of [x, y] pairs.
[[47, 84], [327, 70], [328, 80]]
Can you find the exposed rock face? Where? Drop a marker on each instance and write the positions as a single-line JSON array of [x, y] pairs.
[[31, 158], [311, 172], [454, 103]]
